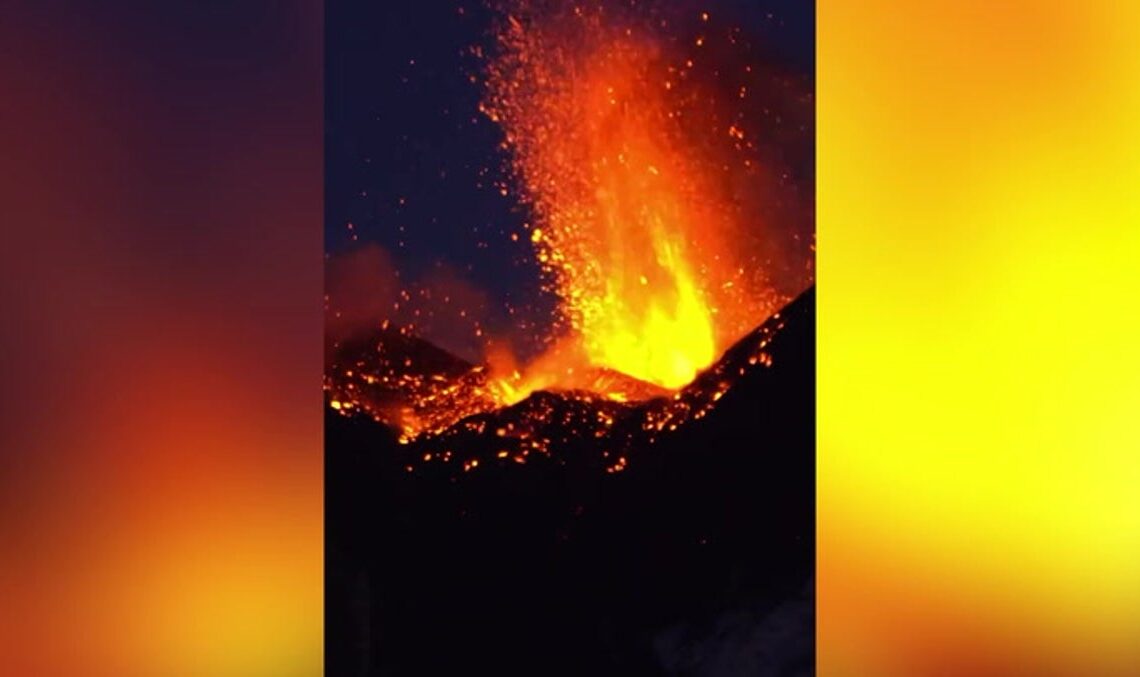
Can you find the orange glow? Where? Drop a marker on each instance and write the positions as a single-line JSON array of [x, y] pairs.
[[630, 227], [978, 374], [650, 200]]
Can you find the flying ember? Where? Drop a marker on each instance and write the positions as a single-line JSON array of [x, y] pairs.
[[609, 137], [631, 150]]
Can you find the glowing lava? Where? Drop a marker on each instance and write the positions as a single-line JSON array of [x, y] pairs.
[[631, 143], [627, 222]]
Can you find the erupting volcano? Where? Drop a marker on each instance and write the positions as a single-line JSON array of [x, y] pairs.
[[598, 460], [630, 145]]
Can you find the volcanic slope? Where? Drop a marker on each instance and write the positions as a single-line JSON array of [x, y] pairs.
[[571, 534]]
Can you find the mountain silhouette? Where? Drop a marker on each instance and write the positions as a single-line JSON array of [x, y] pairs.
[[570, 534]]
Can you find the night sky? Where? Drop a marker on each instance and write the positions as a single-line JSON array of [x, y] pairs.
[[412, 165]]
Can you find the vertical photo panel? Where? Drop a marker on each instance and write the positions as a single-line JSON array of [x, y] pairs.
[[570, 338]]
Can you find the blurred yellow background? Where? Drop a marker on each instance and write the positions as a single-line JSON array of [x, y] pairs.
[[979, 391]]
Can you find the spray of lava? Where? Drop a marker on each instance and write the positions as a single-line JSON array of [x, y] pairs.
[[628, 139], [622, 156]]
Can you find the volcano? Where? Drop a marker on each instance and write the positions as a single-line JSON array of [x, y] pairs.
[[649, 532]]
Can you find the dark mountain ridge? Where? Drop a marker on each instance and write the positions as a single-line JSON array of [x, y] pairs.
[[590, 537]]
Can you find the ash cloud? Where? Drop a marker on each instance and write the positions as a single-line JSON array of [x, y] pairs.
[[361, 289], [365, 290]]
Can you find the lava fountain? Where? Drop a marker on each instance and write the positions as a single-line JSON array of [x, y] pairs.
[[630, 141], [608, 142]]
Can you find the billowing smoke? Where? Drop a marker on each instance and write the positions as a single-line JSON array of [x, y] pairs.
[[365, 290]]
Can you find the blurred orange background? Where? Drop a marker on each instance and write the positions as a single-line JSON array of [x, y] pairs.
[[161, 345], [978, 386], [978, 465]]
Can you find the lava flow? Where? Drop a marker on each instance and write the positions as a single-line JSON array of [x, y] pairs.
[[638, 173]]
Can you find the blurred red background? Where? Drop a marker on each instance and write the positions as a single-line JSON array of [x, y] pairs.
[[161, 342]]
